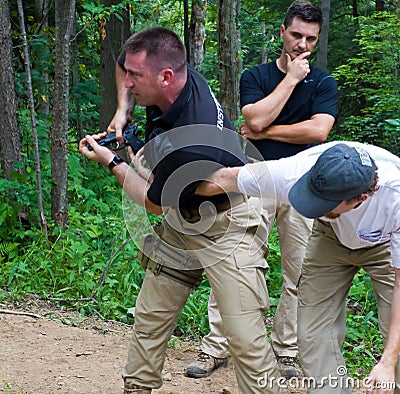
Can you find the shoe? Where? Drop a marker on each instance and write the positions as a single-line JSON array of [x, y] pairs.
[[289, 367], [204, 366], [130, 388]]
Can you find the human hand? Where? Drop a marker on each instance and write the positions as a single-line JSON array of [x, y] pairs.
[[98, 153], [137, 161], [298, 68], [382, 379], [118, 123], [247, 133]]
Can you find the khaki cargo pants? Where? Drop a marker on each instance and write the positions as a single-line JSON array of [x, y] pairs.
[[327, 273], [293, 230], [231, 250]]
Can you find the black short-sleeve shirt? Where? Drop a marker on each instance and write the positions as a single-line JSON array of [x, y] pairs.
[[196, 105], [316, 94]]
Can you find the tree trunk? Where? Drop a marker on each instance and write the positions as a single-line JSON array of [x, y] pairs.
[[75, 81], [228, 46], [114, 33], [197, 33], [264, 52], [33, 118], [322, 52], [41, 10], [186, 33], [355, 15], [10, 139], [64, 19], [379, 5]]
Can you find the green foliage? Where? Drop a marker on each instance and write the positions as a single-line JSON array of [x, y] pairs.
[[369, 84], [68, 265], [274, 275], [259, 28], [6, 248], [193, 320], [363, 344]]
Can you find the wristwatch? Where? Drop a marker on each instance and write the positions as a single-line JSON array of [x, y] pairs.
[[114, 162]]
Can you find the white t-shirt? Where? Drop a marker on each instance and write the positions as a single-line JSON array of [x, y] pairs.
[[375, 221]]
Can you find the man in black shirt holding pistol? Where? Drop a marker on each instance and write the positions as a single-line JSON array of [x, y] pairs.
[[189, 136]]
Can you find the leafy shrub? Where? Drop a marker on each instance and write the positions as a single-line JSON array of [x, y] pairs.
[[369, 84]]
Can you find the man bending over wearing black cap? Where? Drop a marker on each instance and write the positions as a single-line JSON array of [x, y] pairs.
[[352, 191]]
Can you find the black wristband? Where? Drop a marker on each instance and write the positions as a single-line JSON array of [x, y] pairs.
[[114, 162]]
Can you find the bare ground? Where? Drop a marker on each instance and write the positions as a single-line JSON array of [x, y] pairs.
[[59, 352], [44, 350]]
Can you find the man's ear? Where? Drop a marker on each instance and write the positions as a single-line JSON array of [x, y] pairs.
[[363, 197], [282, 30], [166, 76]]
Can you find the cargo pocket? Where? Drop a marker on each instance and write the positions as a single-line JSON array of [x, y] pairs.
[[252, 285], [146, 246]]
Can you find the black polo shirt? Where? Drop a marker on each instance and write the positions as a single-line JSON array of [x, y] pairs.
[[316, 94], [186, 165]]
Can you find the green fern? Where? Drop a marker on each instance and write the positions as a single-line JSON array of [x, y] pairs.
[[7, 247]]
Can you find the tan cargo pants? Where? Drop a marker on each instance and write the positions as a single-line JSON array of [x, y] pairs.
[[327, 274], [293, 231], [232, 253]]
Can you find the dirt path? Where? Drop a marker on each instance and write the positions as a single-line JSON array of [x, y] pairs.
[[47, 356], [62, 353]]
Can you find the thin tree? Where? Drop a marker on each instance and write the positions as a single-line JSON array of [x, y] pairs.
[[64, 20], [10, 139], [264, 52], [228, 55], [322, 51], [33, 117], [40, 10], [355, 15], [75, 81], [186, 33], [197, 33]]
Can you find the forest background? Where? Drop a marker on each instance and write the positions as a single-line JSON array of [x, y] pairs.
[[63, 232]]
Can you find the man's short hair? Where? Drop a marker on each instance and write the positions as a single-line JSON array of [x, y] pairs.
[[164, 49], [304, 10]]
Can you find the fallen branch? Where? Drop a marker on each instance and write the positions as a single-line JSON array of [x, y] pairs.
[[12, 312], [72, 299], [104, 274]]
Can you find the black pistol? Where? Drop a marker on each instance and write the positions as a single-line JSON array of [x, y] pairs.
[[130, 135]]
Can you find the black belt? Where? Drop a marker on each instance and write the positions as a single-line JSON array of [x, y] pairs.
[[209, 208]]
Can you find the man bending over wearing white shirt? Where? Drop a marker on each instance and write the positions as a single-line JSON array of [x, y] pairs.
[[353, 192]]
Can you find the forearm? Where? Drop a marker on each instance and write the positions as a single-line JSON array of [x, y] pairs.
[[314, 130], [135, 187], [125, 105], [125, 101], [261, 114], [383, 373], [221, 181], [392, 346]]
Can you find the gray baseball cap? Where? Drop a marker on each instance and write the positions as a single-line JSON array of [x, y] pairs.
[[341, 173]]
